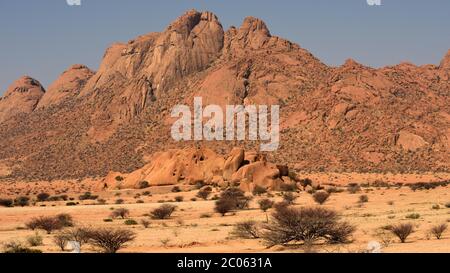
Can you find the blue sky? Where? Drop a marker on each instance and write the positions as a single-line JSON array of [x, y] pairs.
[[42, 38]]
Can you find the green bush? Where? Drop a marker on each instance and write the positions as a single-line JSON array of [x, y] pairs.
[[363, 199], [258, 190], [35, 240], [321, 197], [413, 216], [130, 222], [17, 247], [87, 196]]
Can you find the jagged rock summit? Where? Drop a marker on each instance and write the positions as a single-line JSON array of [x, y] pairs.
[[21, 97]]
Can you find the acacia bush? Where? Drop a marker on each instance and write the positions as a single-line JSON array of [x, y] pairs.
[[438, 230], [246, 230], [50, 223], [163, 212], [402, 231], [321, 197], [265, 204], [79, 235], [60, 240], [204, 193], [110, 240], [224, 205], [65, 219], [120, 212], [236, 196], [306, 225], [289, 198]]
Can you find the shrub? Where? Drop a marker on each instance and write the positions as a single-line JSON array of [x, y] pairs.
[[363, 199], [145, 223], [48, 224], [60, 241], [306, 182], [321, 197], [119, 178], [334, 190], [246, 230], [42, 197], [17, 247], [143, 185], [237, 197], [22, 201], [224, 205], [203, 194], [438, 230], [447, 205], [402, 231], [110, 240], [87, 196], [179, 198], [6, 203], [71, 204], [176, 189], [65, 219], [258, 190], [265, 204], [306, 225], [353, 188], [108, 220], [413, 216], [289, 187], [35, 240], [289, 198], [436, 207], [79, 235], [130, 222], [120, 212], [163, 212], [119, 201]]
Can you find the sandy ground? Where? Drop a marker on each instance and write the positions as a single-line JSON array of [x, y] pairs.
[[194, 227]]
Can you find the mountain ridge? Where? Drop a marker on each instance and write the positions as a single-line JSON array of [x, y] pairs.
[[350, 117]]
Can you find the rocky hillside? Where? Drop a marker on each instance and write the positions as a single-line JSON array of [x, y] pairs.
[[348, 118]]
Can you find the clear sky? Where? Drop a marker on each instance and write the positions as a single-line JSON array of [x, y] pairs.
[[41, 38]]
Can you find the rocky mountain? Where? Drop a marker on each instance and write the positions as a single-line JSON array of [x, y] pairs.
[[347, 118]]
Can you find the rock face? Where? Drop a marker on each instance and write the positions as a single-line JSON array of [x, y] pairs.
[[349, 118], [190, 166], [68, 85], [21, 97]]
